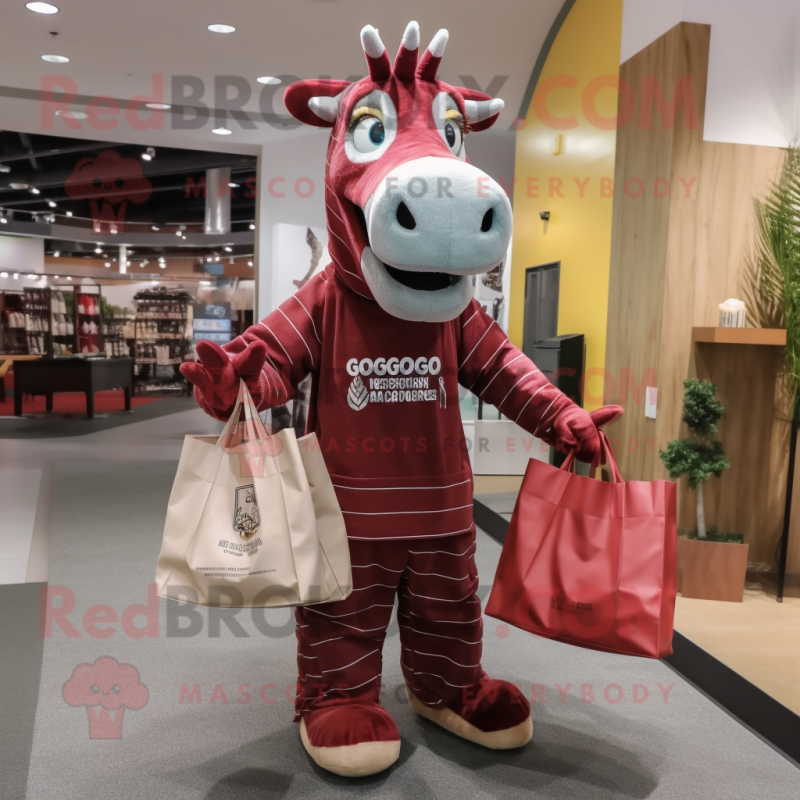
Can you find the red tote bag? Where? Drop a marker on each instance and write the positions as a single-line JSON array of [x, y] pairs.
[[590, 563]]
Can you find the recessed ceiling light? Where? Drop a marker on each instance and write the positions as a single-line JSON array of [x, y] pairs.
[[3, 274], [269, 80], [233, 185], [55, 59], [228, 249], [252, 226], [249, 263], [56, 254], [149, 154], [34, 190], [57, 277], [5, 168], [69, 277], [222, 131], [158, 106], [16, 276], [219, 28], [18, 185], [69, 213], [155, 227], [42, 8], [69, 113], [98, 250], [107, 264], [3, 221], [162, 265], [51, 204]]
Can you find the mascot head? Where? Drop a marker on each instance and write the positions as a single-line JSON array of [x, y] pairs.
[[410, 221]]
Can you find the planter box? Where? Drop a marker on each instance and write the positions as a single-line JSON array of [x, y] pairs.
[[711, 570]]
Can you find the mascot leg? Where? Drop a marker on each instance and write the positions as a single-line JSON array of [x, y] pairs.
[[440, 632], [342, 725]]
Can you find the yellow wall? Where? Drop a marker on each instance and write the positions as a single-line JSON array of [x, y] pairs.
[[578, 234]]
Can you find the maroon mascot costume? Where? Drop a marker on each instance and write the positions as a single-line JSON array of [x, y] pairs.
[[388, 331]]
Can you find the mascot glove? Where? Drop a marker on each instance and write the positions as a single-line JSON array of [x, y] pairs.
[[216, 377], [577, 428]]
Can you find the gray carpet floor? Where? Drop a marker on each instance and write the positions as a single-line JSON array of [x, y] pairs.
[[106, 529]]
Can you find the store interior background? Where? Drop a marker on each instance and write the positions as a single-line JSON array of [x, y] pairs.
[[640, 271]]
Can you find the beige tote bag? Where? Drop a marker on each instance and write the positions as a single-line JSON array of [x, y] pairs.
[[253, 520]]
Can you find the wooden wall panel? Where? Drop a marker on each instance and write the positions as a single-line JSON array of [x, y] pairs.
[[673, 261]]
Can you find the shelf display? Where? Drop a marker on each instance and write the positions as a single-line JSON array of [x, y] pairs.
[[89, 323], [162, 339], [114, 336], [62, 328], [37, 320], [12, 324]]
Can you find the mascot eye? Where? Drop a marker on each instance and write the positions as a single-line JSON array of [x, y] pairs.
[[116, 688], [94, 689], [368, 134], [452, 135]]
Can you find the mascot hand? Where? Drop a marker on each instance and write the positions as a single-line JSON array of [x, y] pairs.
[[216, 377], [576, 428]]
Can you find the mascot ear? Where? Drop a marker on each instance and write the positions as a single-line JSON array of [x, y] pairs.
[[482, 110], [315, 102]]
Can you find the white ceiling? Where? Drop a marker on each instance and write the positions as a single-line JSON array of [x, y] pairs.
[[115, 46]]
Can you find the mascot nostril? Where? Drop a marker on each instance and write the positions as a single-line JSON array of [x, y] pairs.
[[405, 217], [388, 333]]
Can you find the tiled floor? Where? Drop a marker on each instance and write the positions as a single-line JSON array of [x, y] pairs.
[[22, 460], [19, 492]]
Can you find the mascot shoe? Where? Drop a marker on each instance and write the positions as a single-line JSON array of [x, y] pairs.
[[351, 740]]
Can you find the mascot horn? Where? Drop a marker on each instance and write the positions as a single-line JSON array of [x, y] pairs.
[[388, 331]]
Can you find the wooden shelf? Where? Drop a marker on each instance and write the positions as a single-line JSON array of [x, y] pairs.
[[772, 337]]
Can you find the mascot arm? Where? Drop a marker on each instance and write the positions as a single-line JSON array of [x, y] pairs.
[[272, 356], [499, 373]]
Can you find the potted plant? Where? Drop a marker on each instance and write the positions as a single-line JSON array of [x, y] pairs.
[[772, 287], [711, 564]]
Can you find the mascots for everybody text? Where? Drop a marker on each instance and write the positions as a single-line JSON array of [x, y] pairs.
[[388, 331]]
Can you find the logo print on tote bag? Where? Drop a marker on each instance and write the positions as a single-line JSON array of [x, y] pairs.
[[357, 397], [246, 517]]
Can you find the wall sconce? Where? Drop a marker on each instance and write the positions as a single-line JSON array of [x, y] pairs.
[[544, 216]]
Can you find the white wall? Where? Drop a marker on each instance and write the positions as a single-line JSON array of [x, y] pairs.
[[292, 255], [754, 66], [21, 253]]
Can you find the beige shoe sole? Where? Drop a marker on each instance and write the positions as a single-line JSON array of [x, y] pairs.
[[507, 739], [355, 760]]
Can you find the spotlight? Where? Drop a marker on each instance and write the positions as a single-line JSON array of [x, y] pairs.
[[34, 190], [220, 28], [98, 250], [249, 263], [228, 249], [209, 259], [252, 226], [69, 213], [221, 131], [233, 185], [183, 237], [42, 8], [216, 258], [55, 59], [5, 168], [149, 154], [155, 228], [269, 80], [51, 203], [107, 264]]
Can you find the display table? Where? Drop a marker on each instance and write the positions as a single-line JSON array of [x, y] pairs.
[[87, 375]]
